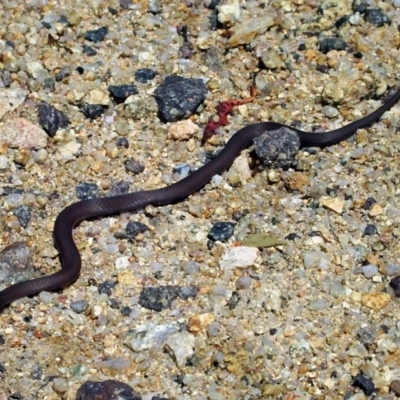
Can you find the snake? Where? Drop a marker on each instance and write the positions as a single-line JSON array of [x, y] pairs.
[[100, 207]]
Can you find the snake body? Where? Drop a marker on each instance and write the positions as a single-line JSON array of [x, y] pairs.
[[85, 209]]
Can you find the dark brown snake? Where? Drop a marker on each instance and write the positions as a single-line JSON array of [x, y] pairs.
[[77, 212]]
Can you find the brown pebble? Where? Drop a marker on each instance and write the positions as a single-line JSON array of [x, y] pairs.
[[395, 387], [296, 181]]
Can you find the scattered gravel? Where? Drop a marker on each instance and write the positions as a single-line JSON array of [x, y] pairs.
[[101, 97]]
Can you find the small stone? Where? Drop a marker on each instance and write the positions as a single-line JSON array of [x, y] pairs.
[[145, 74], [239, 172], [221, 231], [86, 190], [23, 213], [395, 387], [296, 181], [395, 285], [182, 130], [370, 230], [133, 166], [170, 93], [245, 31], [181, 345], [106, 390], [79, 306], [376, 301], [238, 257], [96, 35], [277, 148], [390, 269], [376, 16], [89, 51], [328, 44], [375, 210], [19, 132], [3, 162], [93, 111], [333, 203], [121, 92], [369, 270], [199, 323], [330, 112], [369, 203], [51, 119], [133, 228], [365, 383]]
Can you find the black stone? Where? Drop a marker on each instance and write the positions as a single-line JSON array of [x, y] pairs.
[[370, 230], [145, 74], [96, 35], [221, 231], [122, 142], [365, 383], [93, 111], [23, 213], [106, 390], [395, 285], [89, 51], [121, 92], [106, 288], [376, 17], [126, 311], [178, 97], [86, 190], [133, 166], [133, 228], [368, 203], [51, 119], [328, 44], [277, 148]]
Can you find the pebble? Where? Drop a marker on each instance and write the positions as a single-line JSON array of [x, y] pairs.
[[221, 231], [96, 35], [180, 345], [11, 99], [93, 111], [121, 92], [376, 301], [277, 148], [133, 166], [365, 383], [19, 132], [370, 230], [16, 263], [143, 75], [246, 30], [328, 44], [145, 337], [335, 204], [182, 130], [133, 228], [86, 190], [170, 93], [79, 306], [238, 257], [369, 270], [23, 213], [376, 16], [106, 390]]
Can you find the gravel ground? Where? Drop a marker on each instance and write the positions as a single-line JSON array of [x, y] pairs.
[[161, 306]]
